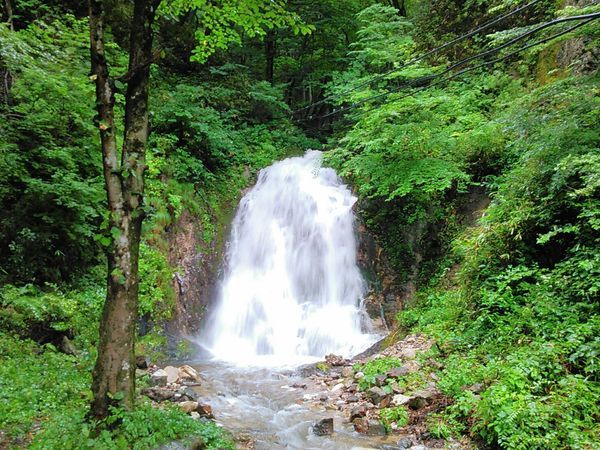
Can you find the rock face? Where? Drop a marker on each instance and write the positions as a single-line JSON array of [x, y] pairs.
[[323, 427]]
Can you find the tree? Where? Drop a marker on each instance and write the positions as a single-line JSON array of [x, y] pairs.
[[218, 25]]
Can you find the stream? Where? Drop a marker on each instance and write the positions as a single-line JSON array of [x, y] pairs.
[[291, 292]]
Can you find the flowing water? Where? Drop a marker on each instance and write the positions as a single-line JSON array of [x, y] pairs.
[[291, 293]]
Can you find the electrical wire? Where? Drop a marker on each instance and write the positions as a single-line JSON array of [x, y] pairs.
[[422, 57], [586, 19]]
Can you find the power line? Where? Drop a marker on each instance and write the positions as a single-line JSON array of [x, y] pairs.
[[422, 57], [587, 19]]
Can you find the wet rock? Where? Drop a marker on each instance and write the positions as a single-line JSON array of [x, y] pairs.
[[158, 394], [361, 425], [405, 443], [159, 378], [347, 372], [335, 360], [323, 427], [400, 399], [186, 372], [376, 428], [205, 410], [376, 395], [188, 407], [141, 362], [358, 412], [188, 393], [397, 372], [172, 374]]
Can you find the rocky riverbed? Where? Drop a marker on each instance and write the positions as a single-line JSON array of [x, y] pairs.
[[325, 405]]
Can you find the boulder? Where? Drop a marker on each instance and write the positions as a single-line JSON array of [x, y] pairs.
[[335, 360], [158, 394], [188, 407], [422, 398], [358, 412], [187, 393], [376, 428], [400, 399], [172, 374], [141, 362], [361, 425], [397, 372], [323, 427], [376, 395], [159, 378], [205, 410], [188, 373]]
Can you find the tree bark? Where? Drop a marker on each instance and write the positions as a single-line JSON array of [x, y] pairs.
[[270, 52], [9, 14], [399, 5], [114, 372]]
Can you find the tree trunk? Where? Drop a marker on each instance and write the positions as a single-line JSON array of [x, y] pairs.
[[270, 51], [114, 372], [9, 14], [399, 5]]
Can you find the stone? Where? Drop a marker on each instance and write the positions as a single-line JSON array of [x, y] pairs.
[[418, 447], [380, 380], [188, 373], [335, 360], [361, 425], [358, 412], [404, 443], [323, 427], [476, 388], [205, 410], [323, 397], [397, 389], [188, 407], [141, 362], [337, 387], [376, 395], [352, 399], [188, 393], [299, 385], [422, 398], [159, 378], [400, 399], [397, 372], [352, 388], [172, 374], [347, 372], [376, 428], [139, 373], [194, 415], [158, 394], [409, 353], [359, 375], [67, 346]]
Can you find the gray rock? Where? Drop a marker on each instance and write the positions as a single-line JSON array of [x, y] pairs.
[[400, 399], [172, 374], [159, 378], [358, 412], [347, 372], [323, 427], [397, 372], [335, 360], [376, 428], [376, 395], [352, 399], [380, 380], [422, 398], [418, 447], [189, 393], [404, 443], [67, 346], [158, 394]]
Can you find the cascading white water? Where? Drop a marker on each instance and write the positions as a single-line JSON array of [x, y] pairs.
[[292, 289]]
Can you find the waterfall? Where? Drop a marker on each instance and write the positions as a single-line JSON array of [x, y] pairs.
[[292, 289]]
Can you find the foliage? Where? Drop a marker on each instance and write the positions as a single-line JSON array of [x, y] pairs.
[[373, 368], [397, 415]]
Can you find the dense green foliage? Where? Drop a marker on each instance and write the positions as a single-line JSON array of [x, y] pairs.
[[519, 321], [510, 294]]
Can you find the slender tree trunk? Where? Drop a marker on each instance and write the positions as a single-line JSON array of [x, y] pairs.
[[114, 372], [270, 52], [9, 14]]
